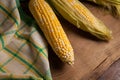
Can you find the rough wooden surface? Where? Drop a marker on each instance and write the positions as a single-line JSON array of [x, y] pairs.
[[92, 56], [112, 73]]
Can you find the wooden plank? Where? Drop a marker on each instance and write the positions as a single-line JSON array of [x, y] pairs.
[[112, 73]]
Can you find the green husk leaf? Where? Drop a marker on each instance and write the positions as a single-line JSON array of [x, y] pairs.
[[112, 5]]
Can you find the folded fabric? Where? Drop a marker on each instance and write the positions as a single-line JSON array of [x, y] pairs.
[[23, 49]]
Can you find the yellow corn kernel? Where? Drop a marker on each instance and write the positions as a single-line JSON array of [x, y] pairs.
[[52, 30], [76, 13]]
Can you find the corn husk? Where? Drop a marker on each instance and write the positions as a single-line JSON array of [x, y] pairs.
[[112, 5], [76, 13]]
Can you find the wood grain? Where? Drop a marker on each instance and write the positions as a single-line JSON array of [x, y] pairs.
[[92, 56], [112, 73]]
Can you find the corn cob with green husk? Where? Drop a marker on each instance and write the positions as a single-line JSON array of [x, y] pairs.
[[112, 5], [76, 13], [52, 30]]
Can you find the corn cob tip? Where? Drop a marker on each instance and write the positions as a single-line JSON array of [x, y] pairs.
[[108, 37], [68, 58], [105, 36], [71, 62]]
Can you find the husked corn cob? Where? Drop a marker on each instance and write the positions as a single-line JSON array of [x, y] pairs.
[[76, 13], [112, 5], [52, 30]]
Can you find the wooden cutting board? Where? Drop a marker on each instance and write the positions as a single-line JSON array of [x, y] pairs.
[[92, 56]]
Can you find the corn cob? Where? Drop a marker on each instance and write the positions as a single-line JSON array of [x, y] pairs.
[[52, 30], [112, 5], [76, 13]]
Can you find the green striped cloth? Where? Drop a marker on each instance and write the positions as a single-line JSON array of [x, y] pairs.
[[23, 49]]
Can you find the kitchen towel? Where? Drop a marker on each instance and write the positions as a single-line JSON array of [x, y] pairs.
[[23, 48]]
